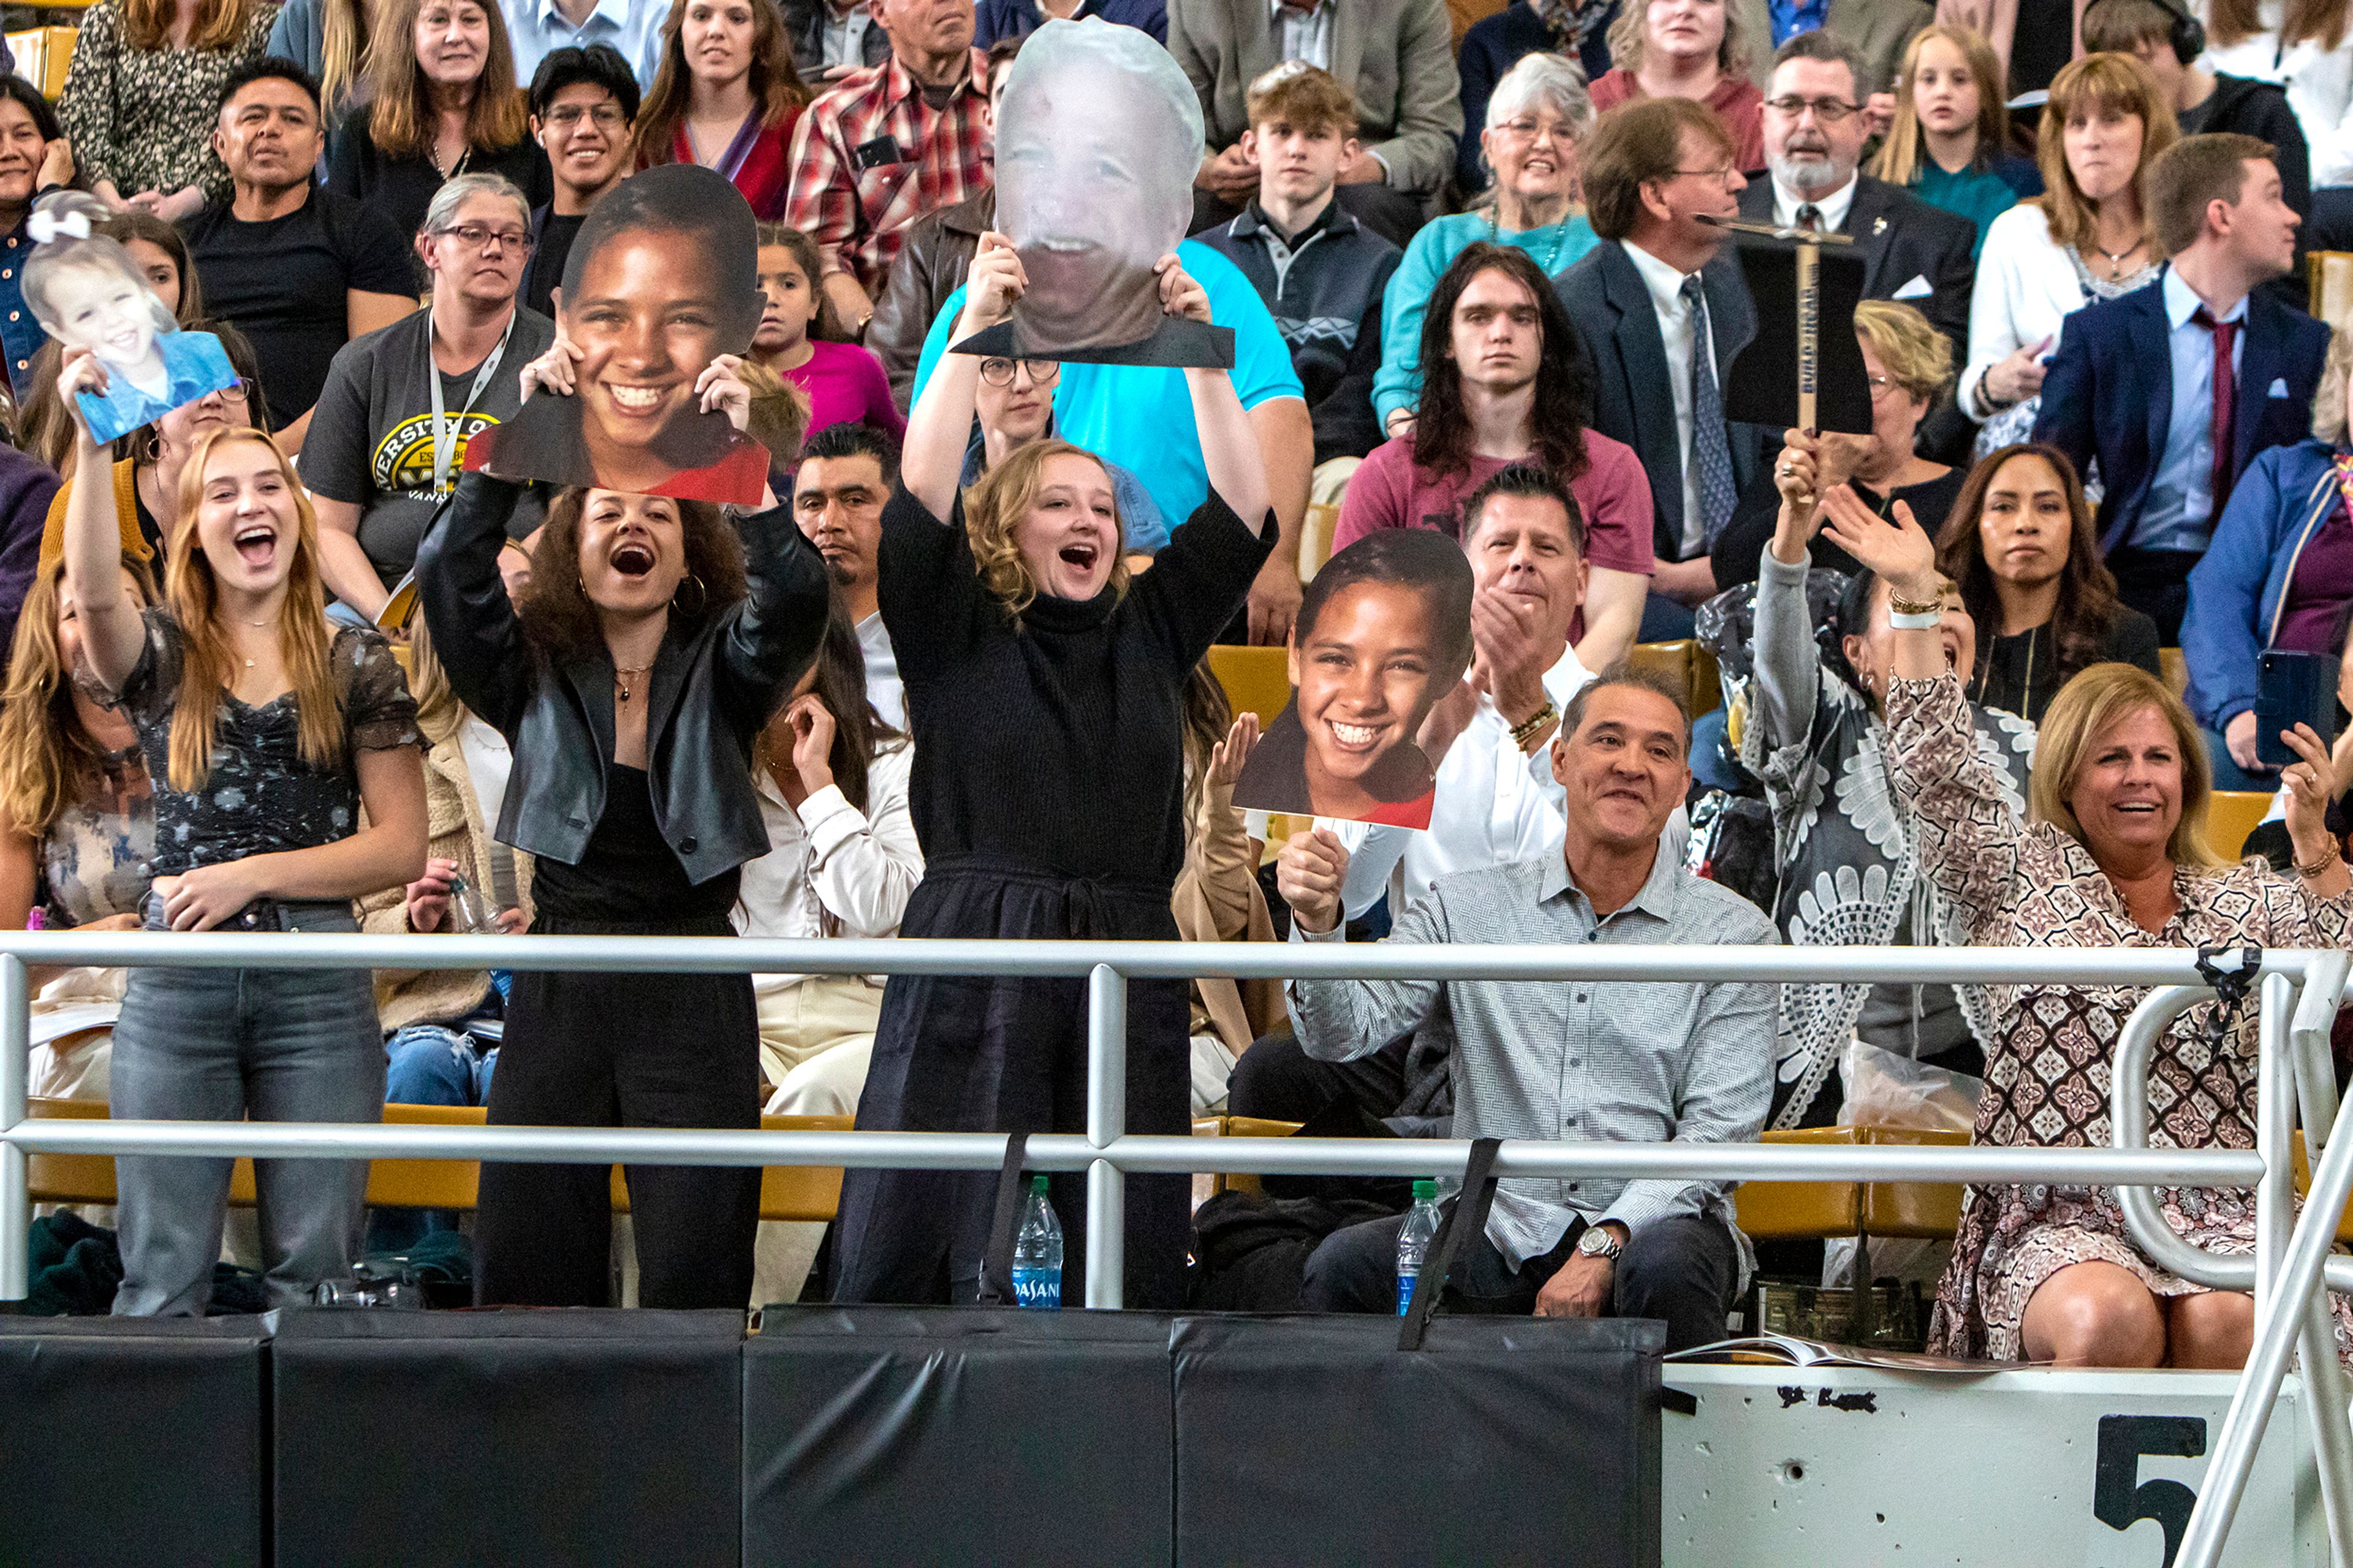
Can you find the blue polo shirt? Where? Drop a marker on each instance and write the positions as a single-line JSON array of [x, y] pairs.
[[1141, 417]]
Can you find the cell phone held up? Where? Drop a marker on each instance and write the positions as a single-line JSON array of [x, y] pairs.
[[2293, 688]]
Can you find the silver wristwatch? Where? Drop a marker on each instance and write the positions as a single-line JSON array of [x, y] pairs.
[[1599, 1241]]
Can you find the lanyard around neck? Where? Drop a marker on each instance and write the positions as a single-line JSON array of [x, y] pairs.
[[444, 435]]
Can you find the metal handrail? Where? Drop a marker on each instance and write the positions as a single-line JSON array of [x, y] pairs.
[[1107, 1152]]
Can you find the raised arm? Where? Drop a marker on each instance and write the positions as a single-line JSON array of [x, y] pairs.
[[939, 427], [1970, 835], [1789, 661], [111, 630], [1230, 450], [474, 626], [782, 619]]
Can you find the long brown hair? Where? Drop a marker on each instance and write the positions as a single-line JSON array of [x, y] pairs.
[[559, 620], [2088, 707], [147, 24], [402, 122], [2118, 82], [344, 35], [45, 752], [859, 734], [2087, 605], [1207, 717], [1900, 155], [193, 598], [776, 84], [996, 506], [1442, 432]]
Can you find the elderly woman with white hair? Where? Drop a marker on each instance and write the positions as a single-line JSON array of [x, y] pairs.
[[1537, 124]]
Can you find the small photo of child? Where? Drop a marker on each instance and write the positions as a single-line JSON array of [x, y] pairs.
[[1382, 635]]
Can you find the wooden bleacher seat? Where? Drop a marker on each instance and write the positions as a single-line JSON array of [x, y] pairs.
[[2231, 816], [787, 1191], [44, 53], [1688, 666], [1929, 1210], [1257, 679], [1801, 1211], [2328, 281]]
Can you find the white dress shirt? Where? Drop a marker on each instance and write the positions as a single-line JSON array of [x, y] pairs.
[[1666, 287], [883, 688], [844, 35], [832, 870], [1831, 208], [1303, 35]]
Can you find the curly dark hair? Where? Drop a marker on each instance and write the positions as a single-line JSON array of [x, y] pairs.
[[1442, 432], [2087, 590], [558, 617]]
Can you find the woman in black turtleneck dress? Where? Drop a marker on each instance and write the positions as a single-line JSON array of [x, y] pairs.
[[1044, 692]]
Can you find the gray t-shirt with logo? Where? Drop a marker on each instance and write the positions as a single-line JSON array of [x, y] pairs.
[[371, 439]]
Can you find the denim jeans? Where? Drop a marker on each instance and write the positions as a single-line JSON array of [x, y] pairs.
[[224, 1045], [427, 1064]]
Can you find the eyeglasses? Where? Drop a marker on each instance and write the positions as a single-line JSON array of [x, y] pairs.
[[1722, 175], [564, 116], [1880, 384], [1828, 110], [1527, 129], [477, 236], [244, 389], [999, 372]]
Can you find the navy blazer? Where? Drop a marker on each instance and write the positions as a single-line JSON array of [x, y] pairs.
[[1633, 398], [2109, 393]]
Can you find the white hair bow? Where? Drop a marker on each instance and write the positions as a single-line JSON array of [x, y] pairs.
[[44, 227]]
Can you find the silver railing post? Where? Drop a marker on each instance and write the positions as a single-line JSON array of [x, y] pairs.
[[15, 1193], [1106, 1120], [2309, 1034], [2276, 1327], [2274, 1131]]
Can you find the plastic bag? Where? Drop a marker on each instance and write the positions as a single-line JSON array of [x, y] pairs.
[[1885, 1089]]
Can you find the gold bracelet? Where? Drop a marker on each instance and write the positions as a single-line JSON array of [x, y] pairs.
[[2322, 866], [1901, 605], [1525, 731]]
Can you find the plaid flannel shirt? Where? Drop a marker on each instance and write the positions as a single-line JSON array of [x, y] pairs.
[[859, 215]]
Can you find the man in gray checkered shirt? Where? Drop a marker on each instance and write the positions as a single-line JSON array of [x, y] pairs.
[[1623, 1061]]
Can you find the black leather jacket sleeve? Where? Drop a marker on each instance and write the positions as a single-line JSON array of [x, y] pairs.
[[775, 635], [476, 633]]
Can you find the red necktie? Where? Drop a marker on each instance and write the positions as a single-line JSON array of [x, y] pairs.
[[2226, 403]]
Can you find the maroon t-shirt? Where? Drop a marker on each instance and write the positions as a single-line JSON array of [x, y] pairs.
[[2317, 590], [1614, 494]]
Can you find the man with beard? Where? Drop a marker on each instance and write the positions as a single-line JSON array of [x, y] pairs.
[[845, 474], [386, 443], [1814, 132]]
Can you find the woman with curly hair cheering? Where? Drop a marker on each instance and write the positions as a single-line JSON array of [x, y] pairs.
[[1045, 692]]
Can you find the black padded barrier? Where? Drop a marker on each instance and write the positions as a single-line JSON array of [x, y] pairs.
[[1503, 1441], [529, 1437], [131, 1441], [965, 1435]]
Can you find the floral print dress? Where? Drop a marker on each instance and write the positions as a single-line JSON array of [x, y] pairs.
[[2047, 1068]]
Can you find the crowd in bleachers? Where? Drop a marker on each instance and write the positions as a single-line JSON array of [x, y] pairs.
[[280, 662]]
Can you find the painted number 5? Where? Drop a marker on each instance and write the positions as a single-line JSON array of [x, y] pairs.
[[2120, 1499]]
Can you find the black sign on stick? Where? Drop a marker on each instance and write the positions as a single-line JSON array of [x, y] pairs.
[[1764, 383]]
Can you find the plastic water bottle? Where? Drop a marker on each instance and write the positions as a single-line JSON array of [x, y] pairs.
[[1413, 1241], [1038, 1254]]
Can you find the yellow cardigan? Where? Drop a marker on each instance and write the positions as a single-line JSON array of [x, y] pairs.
[[126, 516]]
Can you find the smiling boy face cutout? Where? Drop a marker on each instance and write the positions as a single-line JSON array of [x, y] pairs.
[[662, 280], [1383, 635]]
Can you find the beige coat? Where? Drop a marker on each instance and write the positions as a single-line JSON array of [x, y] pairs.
[[1397, 56], [454, 831], [1217, 899], [1876, 30]]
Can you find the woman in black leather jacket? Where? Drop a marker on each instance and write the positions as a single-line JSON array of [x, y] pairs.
[[632, 683]]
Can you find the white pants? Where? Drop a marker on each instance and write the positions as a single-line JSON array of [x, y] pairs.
[[816, 1040]]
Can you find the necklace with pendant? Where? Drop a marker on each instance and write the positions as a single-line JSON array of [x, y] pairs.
[[623, 677]]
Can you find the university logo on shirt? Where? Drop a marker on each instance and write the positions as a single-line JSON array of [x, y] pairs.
[[403, 459]]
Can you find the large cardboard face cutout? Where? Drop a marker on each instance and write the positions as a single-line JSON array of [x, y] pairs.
[[1383, 635], [87, 291], [1097, 143], [663, 278]]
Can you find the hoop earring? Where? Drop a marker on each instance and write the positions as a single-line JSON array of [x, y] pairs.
[[701, 597]]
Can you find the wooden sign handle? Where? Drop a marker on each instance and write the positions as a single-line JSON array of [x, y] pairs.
[[1809, 313]]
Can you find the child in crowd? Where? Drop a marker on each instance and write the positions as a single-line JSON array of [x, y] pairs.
[[1321, 273], [1948, 144], [843, 382]]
